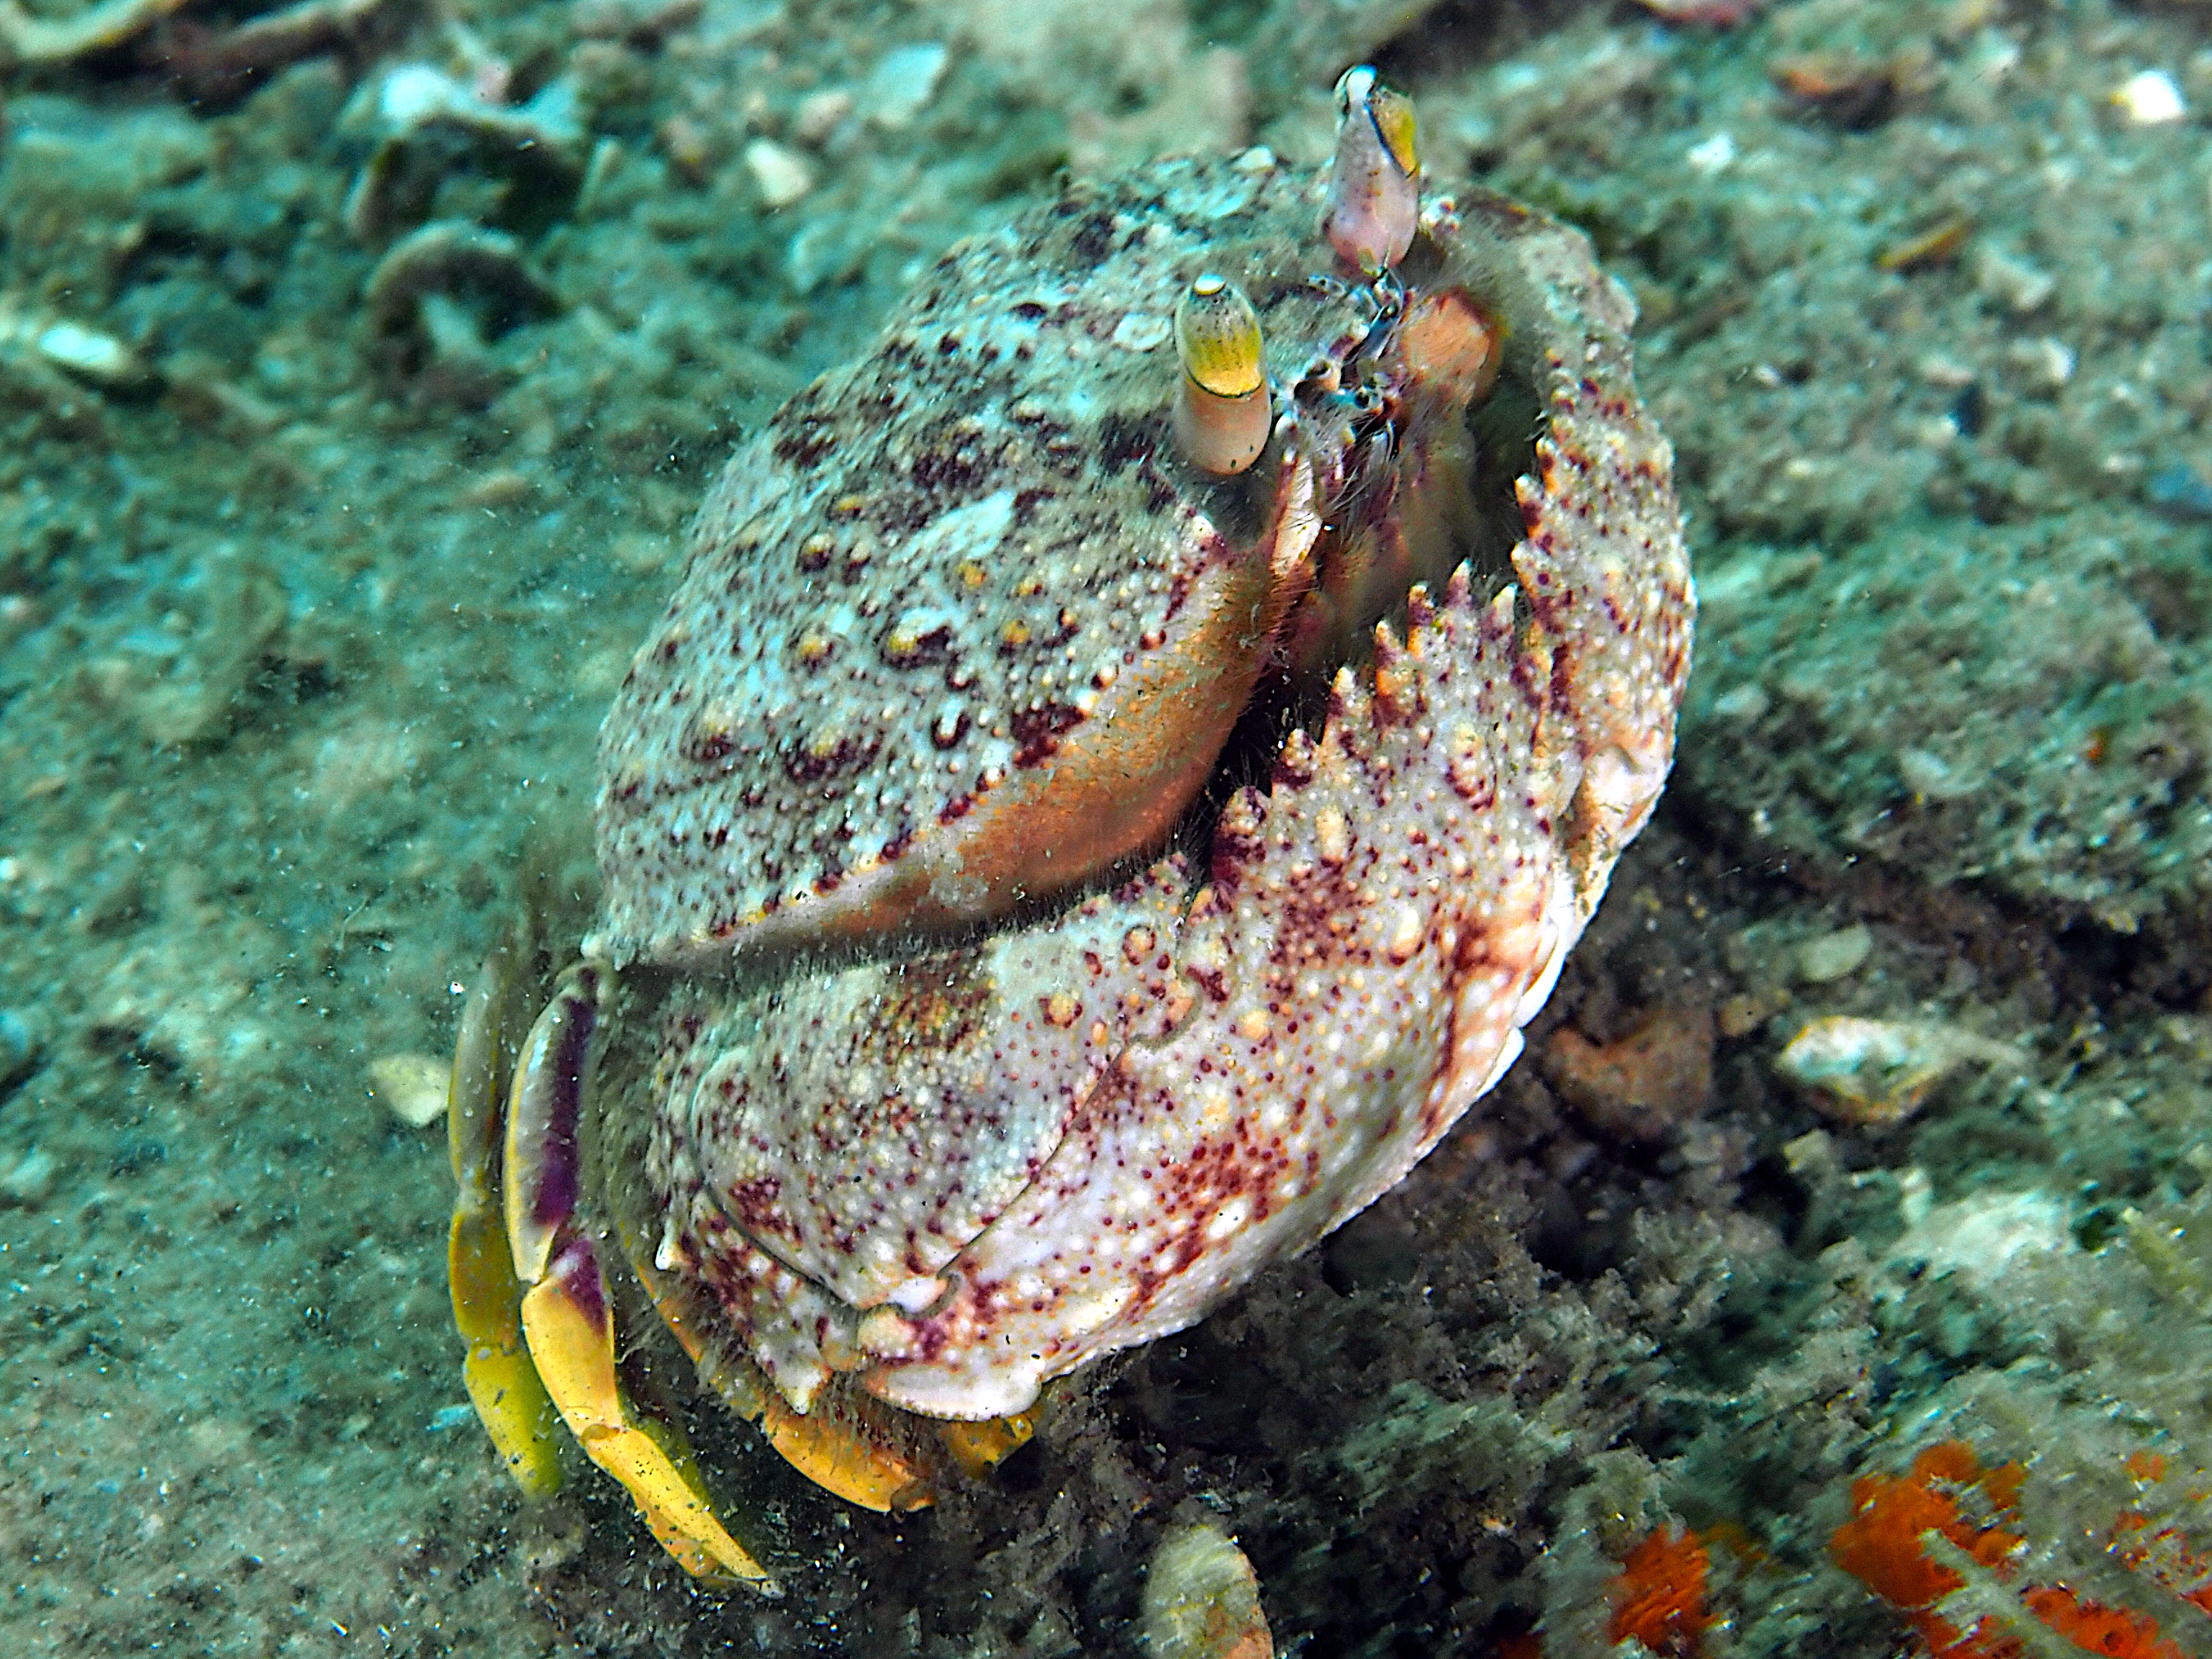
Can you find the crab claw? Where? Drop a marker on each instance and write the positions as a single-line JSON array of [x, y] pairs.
[[566, 1319], [979, 1447]]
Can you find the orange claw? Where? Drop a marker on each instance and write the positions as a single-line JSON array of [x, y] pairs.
[[848, 1445]]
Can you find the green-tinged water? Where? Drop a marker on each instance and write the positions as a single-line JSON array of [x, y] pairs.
[[358, 378]]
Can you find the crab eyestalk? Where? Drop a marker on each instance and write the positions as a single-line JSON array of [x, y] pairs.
[[1223, 413], [1374, 183]]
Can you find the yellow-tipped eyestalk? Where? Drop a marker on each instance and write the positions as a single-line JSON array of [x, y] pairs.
[[1375, 184], [1223, 413]]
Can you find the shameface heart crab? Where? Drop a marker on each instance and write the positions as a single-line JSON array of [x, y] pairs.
[[1124, 761]]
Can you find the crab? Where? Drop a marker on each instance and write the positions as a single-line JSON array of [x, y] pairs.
[[1072, 841]]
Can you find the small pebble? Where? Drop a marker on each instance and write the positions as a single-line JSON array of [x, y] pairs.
[[1931, 776], [411, 1087], [1746, 703], [1741, 1015], [1713, 155], [1978, 1237], [415, 92], [1872, 1074], [1141, 331], [22, 1040], [819, 115], [1834, 956], [508, 486], [2049, 363], [781, 175], [2016, 285], [1938, 369], [2149, 98], [688, 147], [91, 355], [31, 1181], [1202, 1598], [902, 83]]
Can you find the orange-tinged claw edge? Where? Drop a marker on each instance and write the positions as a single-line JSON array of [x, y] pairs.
[[866, 1457]]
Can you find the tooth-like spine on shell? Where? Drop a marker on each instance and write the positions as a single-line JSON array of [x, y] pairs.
[[1457, 589], [1349, 703], [1420, 610], [1237, 834], [1397, 694], [1294, 763]]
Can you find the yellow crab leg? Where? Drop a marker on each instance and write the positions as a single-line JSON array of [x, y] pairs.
[[979, 1447], [573, 1337], [502, 1382], [565, 1318]]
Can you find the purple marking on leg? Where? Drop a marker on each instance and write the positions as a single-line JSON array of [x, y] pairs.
[[576, 1271], [543, 1174], [553, 1199]]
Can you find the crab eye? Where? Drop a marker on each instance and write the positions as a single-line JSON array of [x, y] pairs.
[[1222, 413], [1375, 184]]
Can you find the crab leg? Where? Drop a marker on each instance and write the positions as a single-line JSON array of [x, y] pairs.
[[565, 1314], [502, 1382], [979, 1447], [849, 1444]]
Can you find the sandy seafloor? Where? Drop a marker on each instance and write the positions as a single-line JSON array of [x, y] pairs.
[[308, 609]]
